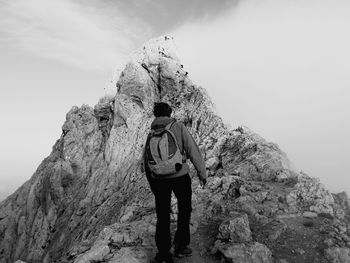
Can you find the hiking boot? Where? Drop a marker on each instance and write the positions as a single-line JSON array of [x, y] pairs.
[[182, 251], [163, 258]]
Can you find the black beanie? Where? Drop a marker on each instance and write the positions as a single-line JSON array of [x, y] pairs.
[[162, 109]]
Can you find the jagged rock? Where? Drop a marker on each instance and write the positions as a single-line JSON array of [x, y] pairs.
[[123, 240], [104, 115], [236, 229], [343, 200], [245, 253], [212, 163], [229, 186], [127, 213], [309, 193], [245, 152], [97, 253], [89, 200], [130, 255], [338, 255], [341, 206]]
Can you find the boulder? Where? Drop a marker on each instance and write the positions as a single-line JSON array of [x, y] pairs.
[[245, 253], [341, 206], [338, 255], [310, 192], [252, 157], [96, 254], [235, 229], [130, 255]]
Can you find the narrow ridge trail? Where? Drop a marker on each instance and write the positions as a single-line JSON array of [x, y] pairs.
[[203, 231]]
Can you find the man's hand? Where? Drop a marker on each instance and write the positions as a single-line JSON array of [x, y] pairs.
[[203, 182]]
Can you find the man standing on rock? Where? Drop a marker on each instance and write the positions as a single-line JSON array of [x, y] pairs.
[[168, 146]]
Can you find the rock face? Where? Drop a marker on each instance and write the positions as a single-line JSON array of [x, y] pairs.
[[236, 229], [89, 201], [336, 255], [246, 253]]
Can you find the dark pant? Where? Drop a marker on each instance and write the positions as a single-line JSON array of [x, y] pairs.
[[161, 189]]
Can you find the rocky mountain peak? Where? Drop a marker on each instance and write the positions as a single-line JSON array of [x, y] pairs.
[[89, 201]]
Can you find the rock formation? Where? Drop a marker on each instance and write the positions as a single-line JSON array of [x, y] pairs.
[[89, 201]]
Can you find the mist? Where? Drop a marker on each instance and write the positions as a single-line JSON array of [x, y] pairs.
[[282, 69]]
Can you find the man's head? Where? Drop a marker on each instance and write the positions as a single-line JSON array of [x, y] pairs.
[[162, 109]]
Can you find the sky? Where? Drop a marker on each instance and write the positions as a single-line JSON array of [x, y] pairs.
[[280, 67]]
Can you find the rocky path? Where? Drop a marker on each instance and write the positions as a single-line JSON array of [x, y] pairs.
[[203, 232], [200, 245], [292, 238], [235, 229]]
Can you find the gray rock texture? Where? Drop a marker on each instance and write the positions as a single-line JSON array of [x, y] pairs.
[[338, 255], [310, 194], [89, 200], [235, 229], [245, 253]]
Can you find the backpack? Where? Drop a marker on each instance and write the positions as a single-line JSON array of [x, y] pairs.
[[163, 153]]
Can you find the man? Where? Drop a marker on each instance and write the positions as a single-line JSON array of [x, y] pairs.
[[178, 182]]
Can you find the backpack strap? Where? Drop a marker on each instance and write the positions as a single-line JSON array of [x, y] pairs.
[[168, 127]]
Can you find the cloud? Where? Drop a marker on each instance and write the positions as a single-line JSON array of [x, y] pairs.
[[93, 34], [280, 67], [83, 36], [165, 15]]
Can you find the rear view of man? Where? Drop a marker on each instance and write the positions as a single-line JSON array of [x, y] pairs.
[[168, 146]]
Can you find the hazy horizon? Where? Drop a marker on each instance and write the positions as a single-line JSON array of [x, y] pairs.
[[279, 67]]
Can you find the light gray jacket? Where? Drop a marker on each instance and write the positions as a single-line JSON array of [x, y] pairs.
[[187, 145]]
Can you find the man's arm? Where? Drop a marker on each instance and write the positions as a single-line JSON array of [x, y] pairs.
[[193, 152]]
